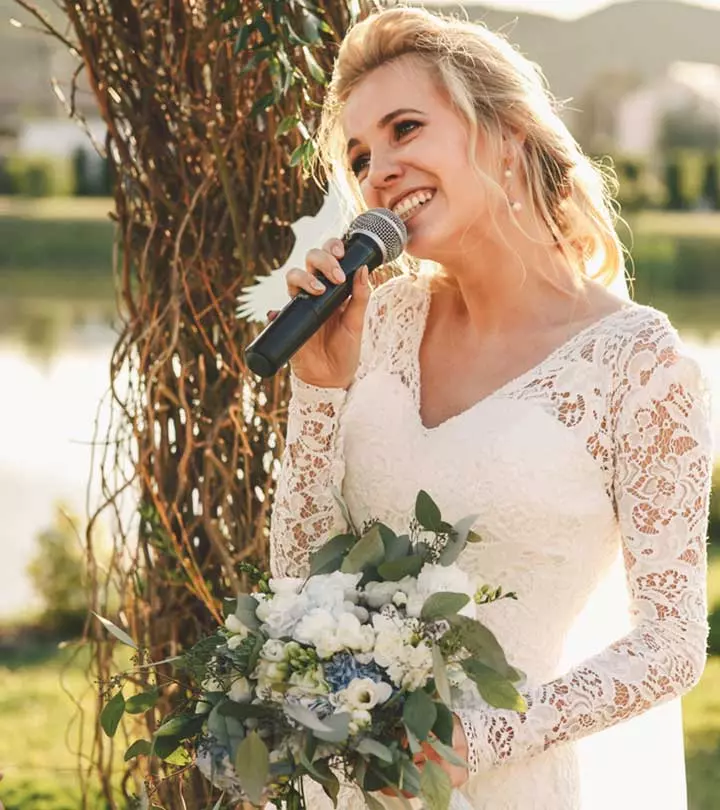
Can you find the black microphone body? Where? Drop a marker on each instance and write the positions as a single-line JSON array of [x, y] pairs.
[[301, 317]]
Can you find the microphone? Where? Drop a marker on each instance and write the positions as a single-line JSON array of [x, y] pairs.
[[374, 238]]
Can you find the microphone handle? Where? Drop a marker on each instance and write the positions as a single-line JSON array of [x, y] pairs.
[[303, 316]]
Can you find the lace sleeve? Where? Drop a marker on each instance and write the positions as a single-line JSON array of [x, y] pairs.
[[305, 511], [663, 457]]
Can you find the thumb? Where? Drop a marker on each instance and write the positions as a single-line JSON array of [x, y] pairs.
[[354, 314]]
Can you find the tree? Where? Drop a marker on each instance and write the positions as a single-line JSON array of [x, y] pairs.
[[204, 104]]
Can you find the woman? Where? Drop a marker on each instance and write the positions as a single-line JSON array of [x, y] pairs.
[[509, 381]]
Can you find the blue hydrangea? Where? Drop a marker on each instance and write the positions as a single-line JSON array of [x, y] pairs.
[[343, 668]]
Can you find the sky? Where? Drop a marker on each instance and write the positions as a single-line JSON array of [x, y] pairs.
[[568, 8]]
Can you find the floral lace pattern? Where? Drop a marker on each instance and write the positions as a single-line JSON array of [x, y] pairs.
[[602, 450]]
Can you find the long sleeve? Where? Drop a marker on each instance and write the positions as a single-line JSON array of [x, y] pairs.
[[660, 407], [305, 511]]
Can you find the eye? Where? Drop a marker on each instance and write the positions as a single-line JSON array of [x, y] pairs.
[[406, 127], [359, 164]]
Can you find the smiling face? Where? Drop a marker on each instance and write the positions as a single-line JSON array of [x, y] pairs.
[[408, 149]]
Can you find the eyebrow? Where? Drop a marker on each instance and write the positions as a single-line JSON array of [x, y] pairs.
[[384, 121]]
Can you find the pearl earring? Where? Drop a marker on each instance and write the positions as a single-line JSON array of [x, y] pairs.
[[516, 206], [508, 173]]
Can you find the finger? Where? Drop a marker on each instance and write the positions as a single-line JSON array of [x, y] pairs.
[[297, 280], [354, 314], [272, 314], [336, 247], [326, 263]]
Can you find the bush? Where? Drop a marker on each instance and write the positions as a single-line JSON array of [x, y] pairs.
[[57, 573], [714, 523], [40, 176], [666, 264]]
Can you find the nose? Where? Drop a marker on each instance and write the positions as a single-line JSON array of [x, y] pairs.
[[383, 171]]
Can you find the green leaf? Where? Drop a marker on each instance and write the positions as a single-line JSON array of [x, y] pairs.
[[305, 717], [252, 765], [328, 780], [444, 726], [427, 511], [256, 60], [164, 747], [336, 493], [112, 713], [374, 748], [453, 549], [339, 728], [299, 154], [474, 537], [404, 567], [263, 103], [372, 802], [443, 605], [413, 742], [369, 550], [440, 674], [241, 711], [119, 634], [137, 748], [419, 713], [463, 527], [245, 610], [435, 786], [219, 802], [262, 26], [138, 704], [328, 558], [181, 726], [242, 39], [447, 753], [286, 125], [315, 70], [496, 690], [396, 546], [482, 644], [179, 757], [311, 25]]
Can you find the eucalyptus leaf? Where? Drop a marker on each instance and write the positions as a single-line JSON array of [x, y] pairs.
[[137, 748], [339, 728], [316, 71], [241, 711], [443, 605], [413, 742], [482, 644], [444, 725], [440, 675], [369, 550], [419, 713], [496, 690], [119, 634], [329, 558], [395, 570], [217, 725], [427, 512], [447, 753], [305, 717], [454, 547], [435, 786], [164, 747], [375, 748], [252, 765], [112, 713], [245, 610], [340, 501], [181, 726], [474, 537], [410, 777], [463, 526], [138, 704]]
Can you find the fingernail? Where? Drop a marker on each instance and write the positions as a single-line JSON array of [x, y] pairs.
[[338, 250], [317, 285], [364, 274], [339, 274]]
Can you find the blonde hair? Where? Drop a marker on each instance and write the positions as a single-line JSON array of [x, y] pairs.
[[494, 87]]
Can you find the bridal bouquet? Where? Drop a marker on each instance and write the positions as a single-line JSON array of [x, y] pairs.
[[344, 673]]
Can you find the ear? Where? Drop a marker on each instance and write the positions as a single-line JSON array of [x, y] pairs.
[[513, 142]]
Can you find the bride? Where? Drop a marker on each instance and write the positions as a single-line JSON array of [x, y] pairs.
[[512, 382]]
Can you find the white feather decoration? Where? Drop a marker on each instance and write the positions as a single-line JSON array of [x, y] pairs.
[[270, 292]]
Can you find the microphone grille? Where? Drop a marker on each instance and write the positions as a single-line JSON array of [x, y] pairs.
[[386, 228]]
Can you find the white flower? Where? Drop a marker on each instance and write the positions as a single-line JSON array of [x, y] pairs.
[[440, 578], [360, 719], [399, 599], [240, 690], [273, 650], [281, 613], [211, 684], [313, 626], [364, 693], [235, 641], [353, 635], [285, 585], [269, 673], [377, 594], [234, 625], [329, 591], [311, 682]]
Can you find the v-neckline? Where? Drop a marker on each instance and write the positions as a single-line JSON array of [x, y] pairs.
[[417, 376]]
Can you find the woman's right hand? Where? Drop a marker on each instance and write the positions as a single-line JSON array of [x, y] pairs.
[[330, 358]]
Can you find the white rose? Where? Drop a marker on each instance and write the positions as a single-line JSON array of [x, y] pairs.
[[313, 626], [234, 625], [273, 650], [240, 691], [281, 614], [354, 635], [329, 591], [440, 578]]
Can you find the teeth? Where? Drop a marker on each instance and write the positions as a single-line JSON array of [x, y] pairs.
[[409, 203]]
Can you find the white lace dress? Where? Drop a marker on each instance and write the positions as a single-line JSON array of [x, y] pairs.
[[591, 475]]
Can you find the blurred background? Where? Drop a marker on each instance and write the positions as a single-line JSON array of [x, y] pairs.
[[640, 82]]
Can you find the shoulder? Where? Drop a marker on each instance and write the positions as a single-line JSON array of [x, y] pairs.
[[650, 359]]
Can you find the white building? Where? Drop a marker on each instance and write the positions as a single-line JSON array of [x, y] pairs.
[[687, 86]]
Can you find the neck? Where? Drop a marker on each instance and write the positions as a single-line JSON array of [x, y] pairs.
[[499, 285]]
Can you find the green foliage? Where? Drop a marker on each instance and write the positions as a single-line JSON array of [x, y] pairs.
[[714, 521], [32, 176], [57, 572]]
